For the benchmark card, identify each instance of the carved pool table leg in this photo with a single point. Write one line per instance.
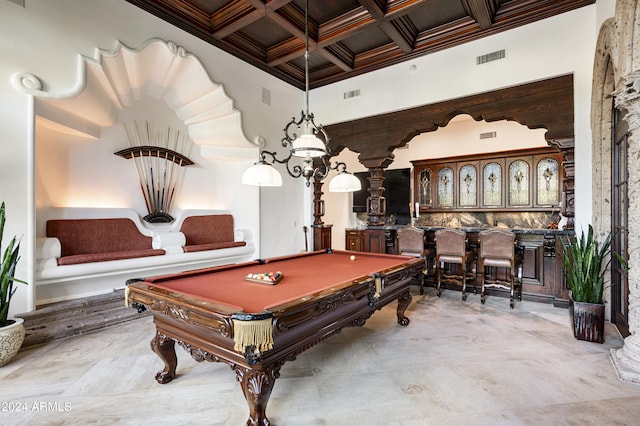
(164, 347)
(257, 385)
(403, 303)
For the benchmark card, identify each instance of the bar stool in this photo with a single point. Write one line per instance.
(498, 250)
(411, 243)
(451, 248)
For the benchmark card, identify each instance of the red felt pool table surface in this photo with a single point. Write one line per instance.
(304, 275)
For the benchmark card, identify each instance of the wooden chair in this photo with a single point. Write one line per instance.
(411, 243)
(451, 248)
(498, 250)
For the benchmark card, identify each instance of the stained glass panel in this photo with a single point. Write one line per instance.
(492, 184)
(468, 186)
(445, 187)
(519, 183)
(548, 187)
(424, 196)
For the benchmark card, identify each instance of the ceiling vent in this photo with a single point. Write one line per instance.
(489, 57)
(351, 94)
(488, 135)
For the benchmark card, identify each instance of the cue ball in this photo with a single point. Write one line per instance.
(352, 257)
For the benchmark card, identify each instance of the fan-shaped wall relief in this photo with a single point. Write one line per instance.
(116, 79)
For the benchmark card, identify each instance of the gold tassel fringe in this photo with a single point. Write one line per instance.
(257, 333)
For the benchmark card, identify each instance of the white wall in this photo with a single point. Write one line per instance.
(552, 47)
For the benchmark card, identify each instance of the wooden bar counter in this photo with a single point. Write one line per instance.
(543, 279)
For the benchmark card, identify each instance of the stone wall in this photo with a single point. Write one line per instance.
(617, 73)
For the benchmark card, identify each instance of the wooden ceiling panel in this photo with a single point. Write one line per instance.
(366, 40)
(346, 37)
(434, 14)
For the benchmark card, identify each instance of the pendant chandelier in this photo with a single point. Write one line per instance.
(312, 145)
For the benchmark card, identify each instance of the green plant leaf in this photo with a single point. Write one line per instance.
(585, 262)
(10, 258)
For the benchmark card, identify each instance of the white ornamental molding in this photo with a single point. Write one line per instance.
(115, 79)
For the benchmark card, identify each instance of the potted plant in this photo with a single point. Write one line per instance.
(585, 262)
(11, 330)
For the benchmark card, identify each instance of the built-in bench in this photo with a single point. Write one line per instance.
(85, 252)
(99, 240)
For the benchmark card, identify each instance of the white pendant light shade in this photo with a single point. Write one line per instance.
(344, 182)
(262, 174)
(308, 145)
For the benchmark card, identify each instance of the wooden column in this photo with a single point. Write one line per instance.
(566, 147)
(376, 202)
(318, 202)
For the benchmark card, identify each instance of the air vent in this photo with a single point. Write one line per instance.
(266, 96)
(488, 135)
(489, 57)
(351, 94)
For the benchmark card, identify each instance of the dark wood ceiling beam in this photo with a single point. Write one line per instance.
(402, 32)
(285, 51)
(344, 26)
(450, 34)
(248, 47)
(387, 52)
(339, 55)
(527, 11)
(233, 17)
(398, 8)
(483, 11)
(288, 68)
(374, 8)
(291, 19)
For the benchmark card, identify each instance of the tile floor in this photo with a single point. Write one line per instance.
(457, 363)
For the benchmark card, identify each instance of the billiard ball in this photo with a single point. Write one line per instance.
(352, 257)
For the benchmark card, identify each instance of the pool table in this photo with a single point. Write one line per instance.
(217, 315)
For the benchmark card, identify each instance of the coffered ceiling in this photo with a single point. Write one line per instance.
(346, 37)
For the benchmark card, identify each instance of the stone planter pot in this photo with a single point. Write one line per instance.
(587, 320)
(11, 338)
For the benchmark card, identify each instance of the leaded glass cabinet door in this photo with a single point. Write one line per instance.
(446, 185)
(519, 183)
(548, 181)
(425, 187)
(468, 185)
(492, 183)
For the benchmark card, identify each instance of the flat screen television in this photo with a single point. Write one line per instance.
(397, 184)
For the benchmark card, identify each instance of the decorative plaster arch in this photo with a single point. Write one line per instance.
(115, 79)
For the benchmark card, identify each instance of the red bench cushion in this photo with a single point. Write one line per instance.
(208, 229)
(88, 236)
